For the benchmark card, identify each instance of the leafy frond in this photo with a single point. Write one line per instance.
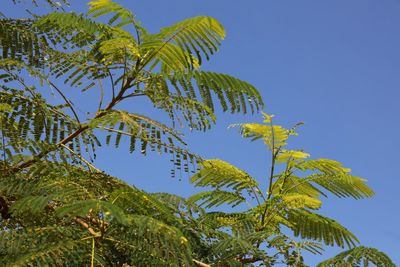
(359, 256)
(232, 246)
(178, 203)
(343, 185)
(99, 8)
(299, 201)
(118, 50)
(286, 156)
(312, 247)
(236, 220)
(84, 207)
(336, 179)
(148, 240)
(327, 166)
(310, 225)
(47, 255)
(68, 28)
(146, 132)
(136, 126)
(272, 135)
(33, 120)
(185, 42)
(19, 41)
(53, 3)
(218, 174)
(135, 201)
(172, 57)
(232, 93)
(41, 246)
(208, 199)
(191, 94)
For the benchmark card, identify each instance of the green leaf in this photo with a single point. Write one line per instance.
(359, 256)
(84, 207)
(209, 199)
(218, 174)
(306, 224)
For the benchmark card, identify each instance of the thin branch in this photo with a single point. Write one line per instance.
(87, 226)
(101, 95)
(272, 170)
(200, 264)
(67, 101)
(93, 250)
(133, 95)
(255, 194)
(91, 166)
(261, 193)
(112, 82)
(3, 140)
(137, 33)
(125, 68)
(271, 176)
(22, 83)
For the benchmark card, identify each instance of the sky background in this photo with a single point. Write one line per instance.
(332, 64)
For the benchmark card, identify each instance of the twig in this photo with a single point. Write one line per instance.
(67, 101)
(112, 82)
(87, 226)
(200, 264)
(101, 95)
(133, 95)
(93, 250)
(90, 165)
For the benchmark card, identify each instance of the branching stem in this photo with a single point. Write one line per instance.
(80, 130)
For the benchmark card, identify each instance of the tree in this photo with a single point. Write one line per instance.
(51, 194)
(292, 195)
(58, 209)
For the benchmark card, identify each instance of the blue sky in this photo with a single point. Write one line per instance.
(331, 64)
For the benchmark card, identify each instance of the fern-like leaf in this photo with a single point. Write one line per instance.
(218, 174)
(359, 256)
(208, 199)
(313, 226)
(178, 43)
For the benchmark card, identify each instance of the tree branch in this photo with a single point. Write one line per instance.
(113, 102)
(87, 226)
(200, 264)
(67, 101)
(112, 82)
(90, 165)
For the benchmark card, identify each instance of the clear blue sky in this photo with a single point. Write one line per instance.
(333, 64)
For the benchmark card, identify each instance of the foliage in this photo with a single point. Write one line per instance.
(359, 256)
(293, 191)
(58, 209)
(51, 194)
